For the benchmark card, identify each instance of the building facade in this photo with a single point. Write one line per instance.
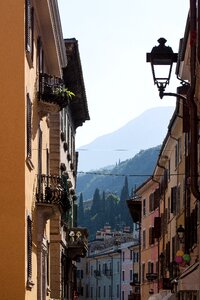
(32, 101)
(176, 227)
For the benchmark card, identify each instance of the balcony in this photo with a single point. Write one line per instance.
(51, 192)
(52, 93)
(77, 242)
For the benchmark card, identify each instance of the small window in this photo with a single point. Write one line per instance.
(29, 126)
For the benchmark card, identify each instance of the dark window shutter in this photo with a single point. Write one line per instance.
(28, 24)
(156, 198)
(151, 236)
(173, 199)
(151, 202)
(32, 32)
(157, 227)
(29, 126)
(29, 248)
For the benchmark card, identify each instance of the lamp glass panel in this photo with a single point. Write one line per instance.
(162, 72)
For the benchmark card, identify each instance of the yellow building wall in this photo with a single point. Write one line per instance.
(12, 132)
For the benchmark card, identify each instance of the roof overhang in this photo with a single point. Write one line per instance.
(73, 78)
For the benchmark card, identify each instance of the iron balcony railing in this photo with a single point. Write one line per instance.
(51, 90)
(51, 190)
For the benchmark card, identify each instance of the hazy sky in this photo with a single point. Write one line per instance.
(114, 36)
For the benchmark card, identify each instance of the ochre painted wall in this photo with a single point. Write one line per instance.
(12, 147)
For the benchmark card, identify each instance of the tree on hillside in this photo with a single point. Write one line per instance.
(111, 210)
(81, 215)
(123, 209)
(96, 203)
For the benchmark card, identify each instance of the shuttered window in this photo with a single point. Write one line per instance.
(29, 126)
(151, 202)
(173, 199)
(156, 198)
(157, 227)
(151, 236)
(29, 250)
(29, 23)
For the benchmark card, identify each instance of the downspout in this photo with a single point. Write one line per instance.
(192, 105)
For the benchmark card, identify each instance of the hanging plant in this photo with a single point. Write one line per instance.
(64, 92)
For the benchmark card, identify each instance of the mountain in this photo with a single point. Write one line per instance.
(143, 132)
(111, 180)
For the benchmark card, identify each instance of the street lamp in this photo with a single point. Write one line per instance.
(162, 58)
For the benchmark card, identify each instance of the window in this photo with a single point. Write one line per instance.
(144, 239)
(135, 277)
(123, 275)
(135, 257)
(87, 291)
(168, 209)
(169, 169)
(131, 275)
(173, 199)
(178, 152)
(143, 272)
(149, 267)
(144, 207)
(176, 155)
(104, 291)
(118, 267)
(178, 200)
(91, 270)
(99, 292)
(123, 255)
(40, 56)
(87, 268)
(29, 251)
(151, 202)
(91, 292)
(131, 254)
(29, 11)
(29, 126)
(151, 236)
(122, 295)
(110, 291)
(117, 290)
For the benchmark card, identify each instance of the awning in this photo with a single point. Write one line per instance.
(189, 279)
(155, 297)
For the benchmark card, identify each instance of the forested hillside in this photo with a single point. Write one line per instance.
(110, 188)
